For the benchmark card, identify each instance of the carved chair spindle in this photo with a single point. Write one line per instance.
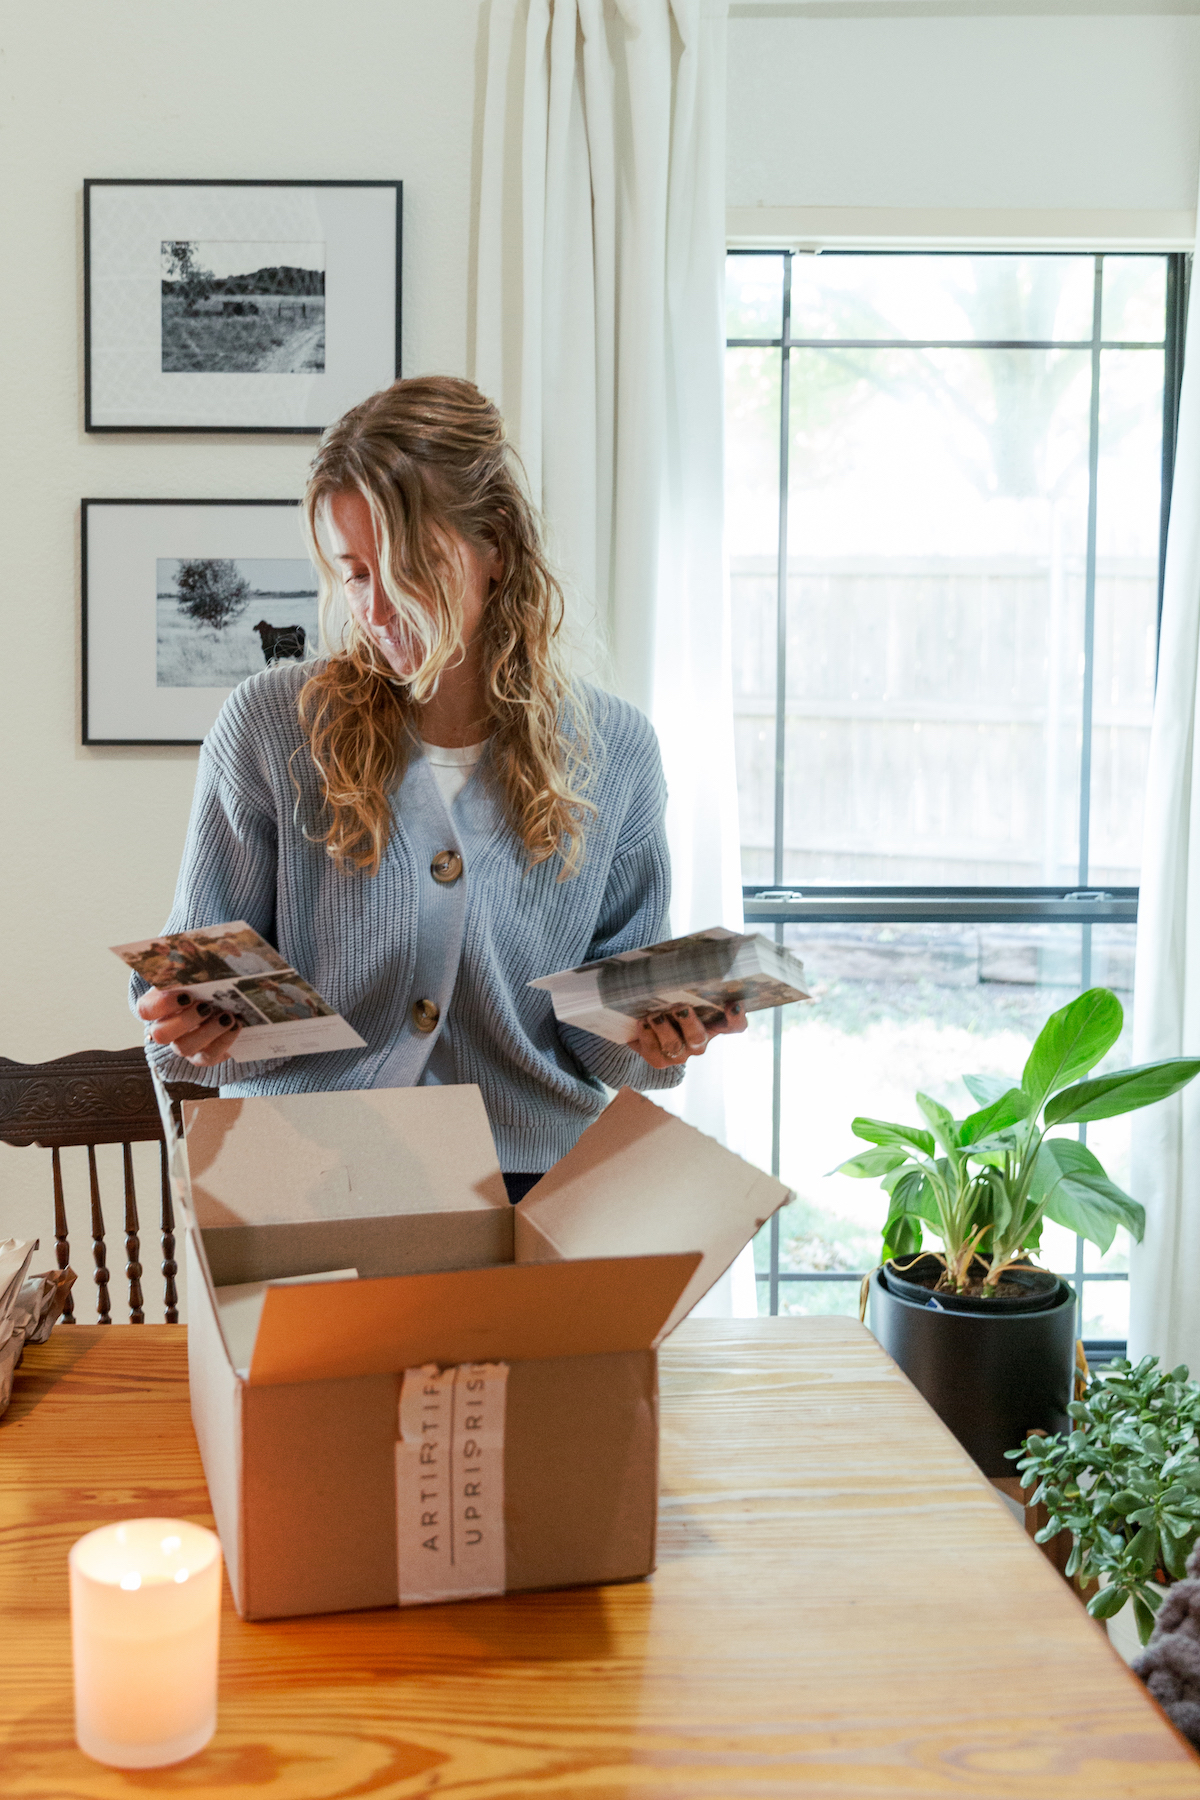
(96, 1097)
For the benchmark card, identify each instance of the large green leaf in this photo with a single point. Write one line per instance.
(988, 1088)
(872, 1163)
(894, 1137)
(1071, 1184)
(945, 1130)
(1121, 1092)
(995, 1148)
(1008, 1109)
(914, 1193)
(1071, 1042)
(901, 1237)
(1093, 1213)
(994, 1203)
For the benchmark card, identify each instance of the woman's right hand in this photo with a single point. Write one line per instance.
(193, 1029)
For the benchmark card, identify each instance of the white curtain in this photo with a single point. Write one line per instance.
(1165, 1177)
(600, 334)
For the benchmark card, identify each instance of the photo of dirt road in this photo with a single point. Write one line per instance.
(243, 308)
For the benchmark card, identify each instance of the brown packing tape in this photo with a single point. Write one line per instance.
(639, 1178)
(512, 1313)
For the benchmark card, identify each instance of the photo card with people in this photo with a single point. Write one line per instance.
(236, 971)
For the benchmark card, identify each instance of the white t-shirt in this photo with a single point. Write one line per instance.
(451, 769)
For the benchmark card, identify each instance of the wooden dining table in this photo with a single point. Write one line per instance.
(842, 1607)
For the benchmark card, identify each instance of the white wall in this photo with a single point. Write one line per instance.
(1022, 112)
(254, 88)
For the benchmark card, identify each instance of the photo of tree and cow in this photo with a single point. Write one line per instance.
(242, 308)
(221, 619)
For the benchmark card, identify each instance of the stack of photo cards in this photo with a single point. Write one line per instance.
(238, 972)
(706, 971)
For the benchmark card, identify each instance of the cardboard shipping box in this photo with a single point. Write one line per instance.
(519, 1343)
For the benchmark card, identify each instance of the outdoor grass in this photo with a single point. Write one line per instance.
(287, 336)
(191, 655)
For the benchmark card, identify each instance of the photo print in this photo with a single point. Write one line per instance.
(242, 308)
(236, 971)
(285, 997)
(704, 971)
(220, 619)
(182, 601)
(213, 953)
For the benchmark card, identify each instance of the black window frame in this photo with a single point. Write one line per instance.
(777, 904)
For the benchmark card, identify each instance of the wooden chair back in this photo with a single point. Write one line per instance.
(96, 1097)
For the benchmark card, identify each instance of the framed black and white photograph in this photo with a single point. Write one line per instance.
(182, 600)
(238, 305)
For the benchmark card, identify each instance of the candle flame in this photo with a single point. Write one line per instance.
(181, 1574)
(131, 1582)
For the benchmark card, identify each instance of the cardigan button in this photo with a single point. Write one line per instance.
(425, 1014)
(446, 866)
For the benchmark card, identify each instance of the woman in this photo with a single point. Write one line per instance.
(434, 815)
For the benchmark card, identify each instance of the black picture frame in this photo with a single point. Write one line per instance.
(362, 365)
(119, 596)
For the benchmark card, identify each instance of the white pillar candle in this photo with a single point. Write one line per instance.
(145, 1617)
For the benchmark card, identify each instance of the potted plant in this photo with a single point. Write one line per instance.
(1125, 1483)
(986, 1335)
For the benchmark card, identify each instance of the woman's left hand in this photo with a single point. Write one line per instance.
(667, 1039)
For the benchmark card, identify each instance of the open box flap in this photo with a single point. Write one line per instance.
(639, 1179)
(326, 1330)
(281, 1159)
(174, 1148)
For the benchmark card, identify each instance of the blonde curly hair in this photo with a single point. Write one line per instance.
(431, 459)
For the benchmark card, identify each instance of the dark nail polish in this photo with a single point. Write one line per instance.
(736, 1011)
(183, 998)
(225, 1019)
(203, 1010)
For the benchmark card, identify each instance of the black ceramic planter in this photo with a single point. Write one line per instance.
(991, 1379)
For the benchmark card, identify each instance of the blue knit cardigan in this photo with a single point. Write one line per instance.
(373, 945)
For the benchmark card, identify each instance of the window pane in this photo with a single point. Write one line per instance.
(1135, 299)
(943, 297)
(1106, 1303)
(1126, 623)
(937, 540)
(900, 1008)
(752, 389)
(753, 296)
(935, 611)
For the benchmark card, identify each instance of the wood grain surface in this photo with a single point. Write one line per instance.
(842, 1608)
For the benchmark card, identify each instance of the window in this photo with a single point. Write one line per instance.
(948, 479)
